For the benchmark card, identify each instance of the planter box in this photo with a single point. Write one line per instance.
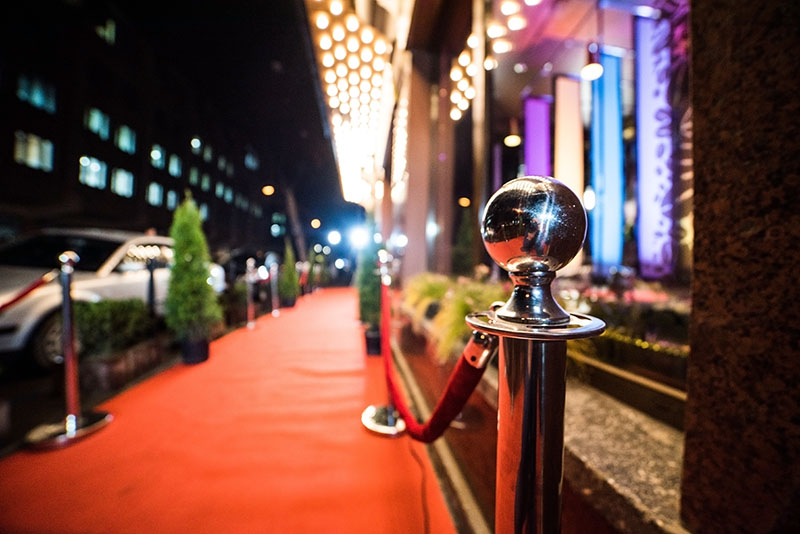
(112, 372)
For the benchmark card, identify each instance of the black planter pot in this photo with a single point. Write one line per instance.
(373, 338)
(288, 302)
(194, 351)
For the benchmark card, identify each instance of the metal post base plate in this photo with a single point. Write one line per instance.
(378, 419)
(68, 431)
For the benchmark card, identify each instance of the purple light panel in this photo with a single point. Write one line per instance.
(654, 149)
(537, 137)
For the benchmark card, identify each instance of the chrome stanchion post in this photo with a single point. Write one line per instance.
(384, 420)
(532, 227)
(76, 424)
(273, 286)
(250, 278)
(151, 287)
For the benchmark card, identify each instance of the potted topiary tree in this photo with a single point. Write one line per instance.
(368, 283)
(288, 280)
(192, 310)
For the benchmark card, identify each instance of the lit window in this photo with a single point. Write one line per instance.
(221, 162)
(92, 172)
(33, 151)
(228, 195)
(242, 202)
(251, 161)
(194, 176)
(155, 194)
(157, 157)
(172, 200)
(229, 169)
(98, 122)
(122, 183)
(37, 93)
(208, 153)
(107, 31)
(205, 184)
(175, 165)
(219, 191)
(125, 139)
(204, 212)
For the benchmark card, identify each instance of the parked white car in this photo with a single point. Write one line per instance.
(112, 265)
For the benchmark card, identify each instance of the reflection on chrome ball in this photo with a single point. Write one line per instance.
(534, 223)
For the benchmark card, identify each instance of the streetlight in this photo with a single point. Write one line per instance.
(334, 237)
(359, 237)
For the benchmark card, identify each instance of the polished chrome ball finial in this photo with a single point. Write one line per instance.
(533, 223)
(533, 226)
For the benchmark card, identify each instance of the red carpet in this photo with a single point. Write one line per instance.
(264, 437)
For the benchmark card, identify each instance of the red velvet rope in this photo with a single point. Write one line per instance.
(460, 386)
(44, 279)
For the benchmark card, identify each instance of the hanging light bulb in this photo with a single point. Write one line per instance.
(593, 69)
(351, 22)
(323, 20)
(516, 22)
(512, 140)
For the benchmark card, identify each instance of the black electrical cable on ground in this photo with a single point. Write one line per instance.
(423, 493)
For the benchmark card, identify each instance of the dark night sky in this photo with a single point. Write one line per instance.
(251, 58)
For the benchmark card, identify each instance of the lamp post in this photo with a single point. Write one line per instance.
(532, 227)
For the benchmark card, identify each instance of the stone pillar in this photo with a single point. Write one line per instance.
(742, 454)
(419, 179)
(443, 171)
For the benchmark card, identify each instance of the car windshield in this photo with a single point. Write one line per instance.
(43, 251)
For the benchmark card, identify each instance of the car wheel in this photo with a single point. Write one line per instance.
(46, 342)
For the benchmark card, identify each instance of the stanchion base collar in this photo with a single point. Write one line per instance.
(376, 419)
(68, 431)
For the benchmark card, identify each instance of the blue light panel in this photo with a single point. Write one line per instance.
(607, 175)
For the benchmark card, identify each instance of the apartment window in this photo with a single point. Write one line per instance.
(122, 183)
(98, 122)
(194, 176)
(125, 139)
(229, 169)
(219, 190)
(37, 93)
(221, 163)
(33, 151)
(155, 194)
(251, 161)
(157, 157)
(205, 183)
(172, 200)
(107, 31)
(228, 195)
(175, 165)
(204, 212)
(208, 153)
(92, 172)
